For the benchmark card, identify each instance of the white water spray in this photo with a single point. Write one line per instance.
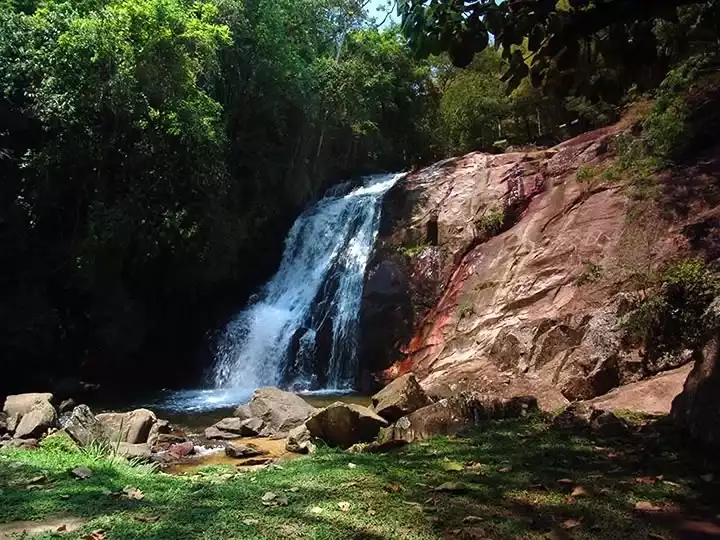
(302, 329)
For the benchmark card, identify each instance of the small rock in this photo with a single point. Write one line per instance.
(472, 519)
(709, 477)
(344, 506)
(253, 462)
(250, 522)
(81, 473)
(239, 451)
(274, 499)
(579, 491)
(399, 398)
(609, 425)
(300, 441)
(132, 494)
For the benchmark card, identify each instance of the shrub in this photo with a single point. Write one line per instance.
(492, 221)
(674, 316)
(413, 250)
(592, 273)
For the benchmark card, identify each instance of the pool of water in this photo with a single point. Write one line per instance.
(194, 410)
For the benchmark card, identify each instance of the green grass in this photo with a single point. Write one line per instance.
(507, 474)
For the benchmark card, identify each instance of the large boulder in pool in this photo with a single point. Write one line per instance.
(399, 398)
(132, 427)
(280, 411)
(344, 424)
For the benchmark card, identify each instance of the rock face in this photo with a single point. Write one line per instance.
(344, 424)
(401, 397)
(697, 408)
(513, 267)
(250, 427)
(83, 427)
(21, 404)
(453, 415)
(35, 422)
(278, 410)
(131, 427)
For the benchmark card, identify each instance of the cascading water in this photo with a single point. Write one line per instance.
(301, 330)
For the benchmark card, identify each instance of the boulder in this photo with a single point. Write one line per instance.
(344, 424)
(83, 427)
(12, 422)
(21, 404)
(131, 427)
(35, 423)
(241, 451)
(250, 427)
(128, 450)
(279, 411)
(400, 398)
(455, 414)
(300, 441)
(67, 405)
(651, 396)
(607, 424)
(697, 409)
(182, 449)
(574, 416)
(213, 433)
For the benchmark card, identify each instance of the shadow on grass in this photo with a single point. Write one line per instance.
(511, 480)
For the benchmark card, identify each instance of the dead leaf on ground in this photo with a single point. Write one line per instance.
(352, 466)
(394, 488)
(451, 466)
(99, 534)
(371, 512)
(61, 528)
(570, 524)
(451, 487)
(344, 506)
(505, 469)
(349, 484)
(250, 522)
(316, 510)
(579, 491)
(132, 494)
(294, 489)
(646, 506)
(472, 519)
(645, 480)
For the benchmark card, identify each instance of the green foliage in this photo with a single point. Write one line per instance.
(594, 48)
(492, 221)
(675, 315)
(412, 251)
(592, 274)
(587, 174)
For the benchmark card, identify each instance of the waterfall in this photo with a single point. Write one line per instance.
(301, 330)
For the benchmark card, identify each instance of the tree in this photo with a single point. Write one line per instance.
(567, 40)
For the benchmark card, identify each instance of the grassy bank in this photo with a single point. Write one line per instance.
(513, 479)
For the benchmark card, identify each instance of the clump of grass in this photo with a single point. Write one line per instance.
(412, 251)
(592, 274)
(492, 221)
